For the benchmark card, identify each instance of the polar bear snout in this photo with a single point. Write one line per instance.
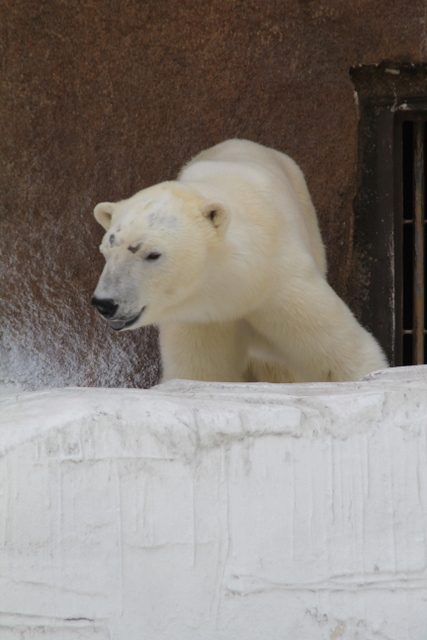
(106, 307)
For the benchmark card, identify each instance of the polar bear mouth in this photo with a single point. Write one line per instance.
(118, 325)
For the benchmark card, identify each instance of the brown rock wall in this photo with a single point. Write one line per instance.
(100, 99)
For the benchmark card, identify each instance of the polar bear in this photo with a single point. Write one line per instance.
(229, 262)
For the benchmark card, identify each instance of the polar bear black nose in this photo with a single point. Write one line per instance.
(106, 307)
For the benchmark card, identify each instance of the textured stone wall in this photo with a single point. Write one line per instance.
(100, 99)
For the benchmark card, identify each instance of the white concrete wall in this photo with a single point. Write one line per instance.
(216, 512)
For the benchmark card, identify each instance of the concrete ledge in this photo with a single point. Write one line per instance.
(216, 511)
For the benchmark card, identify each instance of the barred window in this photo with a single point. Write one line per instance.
(390, 207)
(410, 226)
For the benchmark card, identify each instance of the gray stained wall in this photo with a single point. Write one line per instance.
(100, 99)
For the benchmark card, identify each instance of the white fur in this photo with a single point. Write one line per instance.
(239, 291)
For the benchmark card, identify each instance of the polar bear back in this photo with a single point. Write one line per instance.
(244, 153)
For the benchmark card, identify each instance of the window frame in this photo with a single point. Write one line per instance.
(387, 95)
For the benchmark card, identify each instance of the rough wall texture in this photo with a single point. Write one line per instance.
(100, 99)
(216, 511)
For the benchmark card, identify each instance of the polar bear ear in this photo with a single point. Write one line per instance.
(217, 214)
(103, 213)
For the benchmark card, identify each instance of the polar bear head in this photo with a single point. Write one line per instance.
(157, 247)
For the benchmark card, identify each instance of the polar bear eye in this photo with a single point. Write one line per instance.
(154, 255)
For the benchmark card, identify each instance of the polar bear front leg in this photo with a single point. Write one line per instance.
(210, 352)
(316, 335)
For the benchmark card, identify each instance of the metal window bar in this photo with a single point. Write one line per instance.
(413, 233)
